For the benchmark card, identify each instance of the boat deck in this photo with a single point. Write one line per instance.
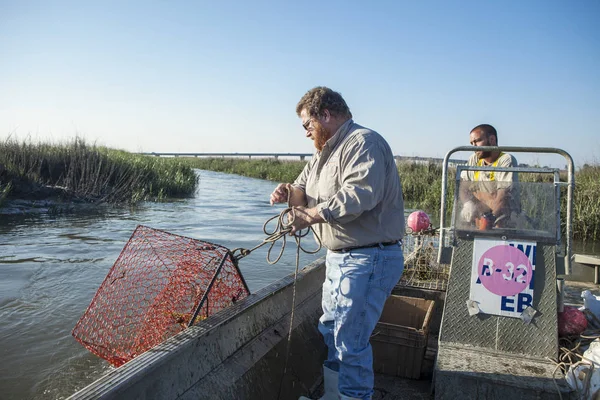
(238, 353)
(394, 388)
(573, 289)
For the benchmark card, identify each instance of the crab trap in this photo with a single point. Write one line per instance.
(160, 284)
(421, 268)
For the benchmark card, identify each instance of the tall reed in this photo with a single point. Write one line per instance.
(269, 169)
(94, 173)
(586, 205)
(422, 185)
(91, 173)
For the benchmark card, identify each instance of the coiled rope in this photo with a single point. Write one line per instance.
(282, 230)
(571, 356)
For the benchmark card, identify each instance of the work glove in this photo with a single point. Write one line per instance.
(468, 211)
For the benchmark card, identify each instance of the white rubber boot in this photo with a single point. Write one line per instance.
(342, 397)
(330, 384)
(330, 378)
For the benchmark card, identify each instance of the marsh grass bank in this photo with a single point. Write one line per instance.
(93, 174)
(266, 168)
(77, 171)
(422, 186)
(586, 204)
(421, 183)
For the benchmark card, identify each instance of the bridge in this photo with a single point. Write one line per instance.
(428, 160)
(302, 156)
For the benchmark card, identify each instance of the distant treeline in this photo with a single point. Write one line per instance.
(77, 171)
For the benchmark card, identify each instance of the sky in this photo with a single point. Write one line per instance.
(225, 76)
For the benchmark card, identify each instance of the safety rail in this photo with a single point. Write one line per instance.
(512, 149)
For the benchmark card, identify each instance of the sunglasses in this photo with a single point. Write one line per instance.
(306, 124)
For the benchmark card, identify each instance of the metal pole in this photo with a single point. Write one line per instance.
(205, 295)
(513, 149)
(560, 286)
(443, 205)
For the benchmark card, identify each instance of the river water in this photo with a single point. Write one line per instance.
(51, 266)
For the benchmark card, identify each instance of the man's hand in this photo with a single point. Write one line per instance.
(280, 194)
(468, 211)
(304, 217)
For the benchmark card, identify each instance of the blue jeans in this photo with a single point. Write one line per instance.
(357, 284)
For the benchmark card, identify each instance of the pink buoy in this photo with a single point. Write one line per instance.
(418, 221)
(571, 322)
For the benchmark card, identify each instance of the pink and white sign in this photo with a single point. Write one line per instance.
(502, 276)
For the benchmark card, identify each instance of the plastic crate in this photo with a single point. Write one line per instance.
(399, 339)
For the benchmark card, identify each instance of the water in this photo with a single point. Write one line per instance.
(51, 266)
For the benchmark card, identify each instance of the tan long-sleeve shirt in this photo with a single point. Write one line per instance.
(355, 186)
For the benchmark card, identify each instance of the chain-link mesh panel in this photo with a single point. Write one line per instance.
(154, 289)
(421, 268)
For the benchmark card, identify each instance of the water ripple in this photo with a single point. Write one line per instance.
(52, 265)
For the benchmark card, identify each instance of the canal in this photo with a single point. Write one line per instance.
(51, 266)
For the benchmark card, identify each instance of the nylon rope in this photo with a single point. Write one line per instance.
(571, 356)
(283, 228)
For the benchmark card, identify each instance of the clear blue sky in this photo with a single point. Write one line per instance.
(210, 76)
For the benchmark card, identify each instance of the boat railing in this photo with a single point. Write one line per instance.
(570, 184)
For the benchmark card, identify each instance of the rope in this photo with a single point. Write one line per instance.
(570, 356)
(282, 230)
(430, 231)
(289, 337)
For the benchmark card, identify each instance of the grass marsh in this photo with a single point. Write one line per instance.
(80, 171)
(76, 170)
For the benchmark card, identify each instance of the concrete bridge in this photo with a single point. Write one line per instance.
(302, 156)
(428, 160)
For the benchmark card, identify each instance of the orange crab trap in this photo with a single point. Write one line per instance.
(160, 284)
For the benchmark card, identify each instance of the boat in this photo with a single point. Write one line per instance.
(243, 351)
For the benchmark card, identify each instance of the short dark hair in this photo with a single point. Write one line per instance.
(488, 130)
(321, 98)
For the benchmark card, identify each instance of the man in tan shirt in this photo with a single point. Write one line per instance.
(351, 194)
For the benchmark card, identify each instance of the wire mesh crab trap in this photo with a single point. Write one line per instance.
(160, 284)
(421, 268)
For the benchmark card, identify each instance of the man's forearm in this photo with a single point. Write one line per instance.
(311, 215)
(297, 197)
(501, 202)
(496, 202)
(304, 217)
(464, 192)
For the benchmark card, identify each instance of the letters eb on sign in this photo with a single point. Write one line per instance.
(502, 276)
